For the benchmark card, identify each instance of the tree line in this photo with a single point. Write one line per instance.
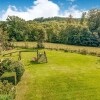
(84, 31)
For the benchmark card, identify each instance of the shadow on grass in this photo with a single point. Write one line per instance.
(35, 62)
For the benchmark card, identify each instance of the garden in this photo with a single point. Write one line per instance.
(66, 75)
(50, 58)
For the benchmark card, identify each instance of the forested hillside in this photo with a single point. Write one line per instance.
(84, 31)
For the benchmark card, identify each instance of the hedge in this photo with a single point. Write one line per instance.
(10, 76)
(5, 97)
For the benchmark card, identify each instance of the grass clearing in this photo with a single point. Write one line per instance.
(59, 46)
(66, 76)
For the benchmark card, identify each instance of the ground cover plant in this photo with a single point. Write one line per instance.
(7, 91)
(10, 74)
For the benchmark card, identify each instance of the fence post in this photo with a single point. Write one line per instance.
(19, 58)
(37, 56)
(45, 56)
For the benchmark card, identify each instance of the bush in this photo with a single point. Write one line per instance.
(18, 68)
(5, 97)
(66, 50)
(40, 46)
(9, 65)
(5, 64)
(93, 53)
(7, 91)
(83, 52)
(10, 76)
(98, 55)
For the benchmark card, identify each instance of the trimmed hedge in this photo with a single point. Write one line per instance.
(10, 76)
(9, 65)
(10, 73)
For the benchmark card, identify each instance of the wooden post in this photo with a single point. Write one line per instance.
(10, 54)
(37, 56)
(19, 58)
(45, 56)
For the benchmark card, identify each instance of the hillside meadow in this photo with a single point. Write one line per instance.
(58, 47)
(66, 76)
(72, 45)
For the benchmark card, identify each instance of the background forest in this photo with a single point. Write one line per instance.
(84, 31)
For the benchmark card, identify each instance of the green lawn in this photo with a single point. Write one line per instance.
(66, 76)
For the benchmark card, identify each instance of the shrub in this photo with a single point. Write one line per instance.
(40, 46)
(18, 68)
(5, 64)
(66, 50)
(61, 49)
(10, 76)
(7, 91)
(26, 45)
(9, 65)
(5, 97)
(84, 52)
(98, 55)
(93, 53)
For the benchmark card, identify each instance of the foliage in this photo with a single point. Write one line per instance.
(9, 76)
(84, 31)
(8, 65)
(94, 19)
(7, 91)
(18, 68)
(4, 39)
(16, 28)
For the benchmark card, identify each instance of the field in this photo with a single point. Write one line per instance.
(66, 76)
(59, 47)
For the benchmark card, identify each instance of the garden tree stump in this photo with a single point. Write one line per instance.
(40, 38)
(45, 56)
(41, 57)
(40, 44)
(37, 56)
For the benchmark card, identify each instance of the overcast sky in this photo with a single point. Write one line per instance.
(30, 9)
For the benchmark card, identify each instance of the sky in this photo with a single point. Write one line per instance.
(31, 9)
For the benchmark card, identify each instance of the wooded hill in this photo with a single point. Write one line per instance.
(84, 31)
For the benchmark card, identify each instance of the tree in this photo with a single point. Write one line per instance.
(39, 35)
(16, 28)
(70, 19)
(4, 39)
(83, 18)
(94, 19)
(52, 30)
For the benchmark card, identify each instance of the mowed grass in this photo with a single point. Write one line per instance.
(66, 76)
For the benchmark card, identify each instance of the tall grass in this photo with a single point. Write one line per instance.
(95, 51)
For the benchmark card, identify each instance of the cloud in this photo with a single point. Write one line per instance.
(72, 10)
(41, 8)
